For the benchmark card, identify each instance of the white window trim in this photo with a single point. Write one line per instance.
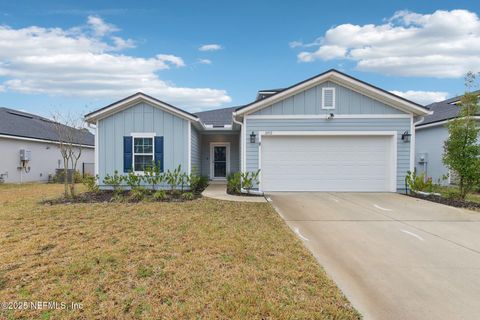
(219, 144)
(142, 135)
(323, 98)
(392, 134)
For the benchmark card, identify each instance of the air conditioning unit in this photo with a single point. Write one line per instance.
(25, 155)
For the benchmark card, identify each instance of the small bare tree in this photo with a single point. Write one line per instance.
(71, 135)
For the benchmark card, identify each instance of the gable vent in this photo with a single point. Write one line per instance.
(328, 98)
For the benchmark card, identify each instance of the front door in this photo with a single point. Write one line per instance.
(219, 158)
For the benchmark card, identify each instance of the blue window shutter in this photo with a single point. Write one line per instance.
(127, 153)
(159, 152)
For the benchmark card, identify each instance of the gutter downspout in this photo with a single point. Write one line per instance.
(241, 139)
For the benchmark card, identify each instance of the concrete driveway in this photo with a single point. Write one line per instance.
(393, 256)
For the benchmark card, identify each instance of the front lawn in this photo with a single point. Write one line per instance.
(196, 259)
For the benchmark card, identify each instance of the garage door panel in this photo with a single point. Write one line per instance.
(326, 163)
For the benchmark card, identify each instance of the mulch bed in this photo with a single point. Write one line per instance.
(458, 203)
(244, 194)
(109, 196)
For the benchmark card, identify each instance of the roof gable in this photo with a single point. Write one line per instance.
(309, 102)
(343, 80)
(132, 100)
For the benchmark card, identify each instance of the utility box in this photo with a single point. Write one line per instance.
(25, 155)
(422, 158)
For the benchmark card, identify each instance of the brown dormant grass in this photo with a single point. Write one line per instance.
(199, 259)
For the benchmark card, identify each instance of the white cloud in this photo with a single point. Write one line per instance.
(100, 27)
(75, 62)
(177, 61)
(204, 61)
(210, 47)
(441, 44)
(301, 44)
(422, 97)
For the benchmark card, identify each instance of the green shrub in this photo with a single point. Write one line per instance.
(77, 177)
(173, 177)
(137, 194)
(117, 196)
(114, 181)
(133, 180)
(160, 195)
(418, 182)
(188, 196)
(452, 193)
(153, 176)
(249, 179)
(91, 183)
(234, 182)
(198, 183)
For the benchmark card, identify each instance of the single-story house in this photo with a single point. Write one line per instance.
(431, 133)
(29, 146)
(331, 132)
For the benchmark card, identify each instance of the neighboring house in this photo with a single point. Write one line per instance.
(331, 132)
(431, 133)
(33, 139)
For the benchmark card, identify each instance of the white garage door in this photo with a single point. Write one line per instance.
(327, 163)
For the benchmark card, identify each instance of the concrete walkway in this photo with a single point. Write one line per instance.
(216, 190)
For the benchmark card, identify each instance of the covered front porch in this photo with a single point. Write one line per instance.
(219, 154)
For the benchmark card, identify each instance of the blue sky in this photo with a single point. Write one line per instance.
(61, 56)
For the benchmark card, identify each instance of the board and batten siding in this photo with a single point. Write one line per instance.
(196, 157)
(399, 125)
(310, 102)
(141, 117)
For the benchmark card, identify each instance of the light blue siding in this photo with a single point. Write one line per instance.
(196, 156)
(141, 118)
(398, 124)
(232, 138)
(310, 102)
(430, 141)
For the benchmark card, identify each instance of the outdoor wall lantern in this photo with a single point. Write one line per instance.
(406, 136)
(252, 137)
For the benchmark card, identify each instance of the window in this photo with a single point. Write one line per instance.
(142, 153)
(328, 98)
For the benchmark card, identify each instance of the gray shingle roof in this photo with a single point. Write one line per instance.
(217, 117)
(441, 111)
(27, 125)
(457, 98)
(444, 110)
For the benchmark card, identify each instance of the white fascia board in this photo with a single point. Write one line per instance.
(439, 123)
(6, 136)
(122, 105)
(380, 95)
(340, 79)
